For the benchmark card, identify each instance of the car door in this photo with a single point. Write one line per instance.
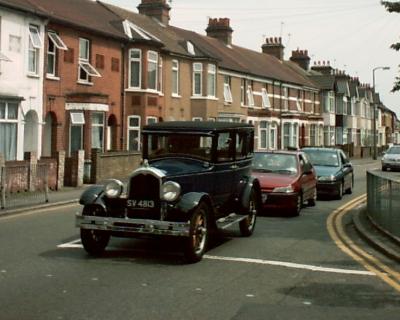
(307, 179)
(347, 170)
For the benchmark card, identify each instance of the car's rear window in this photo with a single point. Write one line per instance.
(275, 163)
(323, 157)
(169, 145)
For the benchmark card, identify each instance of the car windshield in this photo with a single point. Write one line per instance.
(169, 145)
(327, 158)
(394, 150)
(275, 162)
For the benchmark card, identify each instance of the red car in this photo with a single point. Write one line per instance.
(287, 180)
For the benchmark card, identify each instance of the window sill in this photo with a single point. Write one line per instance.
(32, 75)
(138, 90)
(53, 78)
(84, 83)
(176, 96)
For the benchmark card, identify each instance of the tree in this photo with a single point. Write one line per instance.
(394, 7)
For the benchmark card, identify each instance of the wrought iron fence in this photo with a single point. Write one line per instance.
(383, 204)
(22, 184)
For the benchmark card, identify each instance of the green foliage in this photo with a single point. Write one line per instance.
(394, 6)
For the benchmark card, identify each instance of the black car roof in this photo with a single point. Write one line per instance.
(321, 149)
(196, 126)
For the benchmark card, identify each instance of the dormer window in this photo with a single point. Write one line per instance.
(129, 27)
(190, 48)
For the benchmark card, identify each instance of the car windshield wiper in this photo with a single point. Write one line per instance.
(262, 170)
(284, 171)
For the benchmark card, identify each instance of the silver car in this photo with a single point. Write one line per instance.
(391, 159)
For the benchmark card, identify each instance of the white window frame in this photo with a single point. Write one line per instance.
(175, 77)
(263, 130)
(197, 70)
(96, 125)
(77, 119)
(273, 138)
(134, 128)
(243, 95)
(197, 119)
(227, 90)
(152, 61)
(285, 98)
(135, 60)
(266, 103)
(151, 119)
(34, 46)
(286, 136)
(160, 74)
(57, 41)
(250, 96)
(211, 79)
(52, 53)
(7, 120)
(84, 63)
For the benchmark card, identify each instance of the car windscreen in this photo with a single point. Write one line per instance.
(179, 144)
(275, 163)
(394, 150)
(323, 157)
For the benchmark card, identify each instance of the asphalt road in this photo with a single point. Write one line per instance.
(289, 269)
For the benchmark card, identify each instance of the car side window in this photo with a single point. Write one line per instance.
(225, 147)
(242, 145)
(343, 158)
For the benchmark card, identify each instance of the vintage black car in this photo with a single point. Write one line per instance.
(195, 178)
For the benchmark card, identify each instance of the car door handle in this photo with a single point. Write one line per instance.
(233, 166)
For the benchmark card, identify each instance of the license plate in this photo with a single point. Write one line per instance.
(141, 204)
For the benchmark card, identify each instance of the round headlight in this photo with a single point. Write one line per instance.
(170, 191)
(113, 188)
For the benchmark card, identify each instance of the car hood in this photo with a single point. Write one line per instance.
(272, 180)
(323, 171)
(393, 156)
(179, 166)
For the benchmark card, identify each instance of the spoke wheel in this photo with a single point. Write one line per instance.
(248, 224)
(299, 205)
(198, 235)
(94, 241)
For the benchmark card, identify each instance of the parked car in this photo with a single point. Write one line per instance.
(391, 158)
(287, 180)
(195, 177)
(335, 172)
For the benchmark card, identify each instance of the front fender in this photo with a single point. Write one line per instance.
(92, 195)
(252, 183)
(191, 200)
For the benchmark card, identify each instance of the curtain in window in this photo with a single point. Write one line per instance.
(8, 140)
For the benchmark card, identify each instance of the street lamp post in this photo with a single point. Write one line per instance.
(374, 108)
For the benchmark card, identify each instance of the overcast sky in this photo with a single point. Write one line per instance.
(354, 35)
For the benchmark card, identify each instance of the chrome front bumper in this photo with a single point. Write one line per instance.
(133, 226)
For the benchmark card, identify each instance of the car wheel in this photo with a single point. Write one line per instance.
(350, 189)
(384, 168)
(197, 242)
(94, 241)
(311, 202)
(340, 191)
(299, 205)
(248, 224)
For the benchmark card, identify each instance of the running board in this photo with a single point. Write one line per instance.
(230, 220)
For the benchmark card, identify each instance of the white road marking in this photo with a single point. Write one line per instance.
(77, 244)
(291, 265)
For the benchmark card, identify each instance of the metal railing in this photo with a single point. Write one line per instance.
(383, 200)
(23, 184)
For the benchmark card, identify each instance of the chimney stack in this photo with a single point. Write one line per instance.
(158, 9)
(274, 47)
(323, 67)
(301, 58)
(220, 29)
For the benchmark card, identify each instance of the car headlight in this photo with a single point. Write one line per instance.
(288, 189)
(113, 188)
(327, 178)
(170, 191)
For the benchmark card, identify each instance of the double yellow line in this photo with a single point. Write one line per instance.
(336, 231)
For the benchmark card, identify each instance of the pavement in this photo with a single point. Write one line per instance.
(367, 229)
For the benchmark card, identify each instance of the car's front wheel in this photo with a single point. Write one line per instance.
(340, 191)
(197, 242)
(248, 224)
(312, 201)
(94, 241)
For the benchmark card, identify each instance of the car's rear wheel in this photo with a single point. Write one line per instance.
(340, 191)
(197, 242)
(311, 202)
(350, 188)
(384, 168)
(94, 241)
(248, 224)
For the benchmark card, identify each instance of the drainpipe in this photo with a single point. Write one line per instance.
(123, 86)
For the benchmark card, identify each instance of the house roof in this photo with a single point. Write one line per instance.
(232, 58)
(342, 87)
(324, 81)
(22, 5)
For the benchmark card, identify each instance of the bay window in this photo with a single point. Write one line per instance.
(152, 70)
(8, 129)
(135, 68)
(197, 79)
(211, 80)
